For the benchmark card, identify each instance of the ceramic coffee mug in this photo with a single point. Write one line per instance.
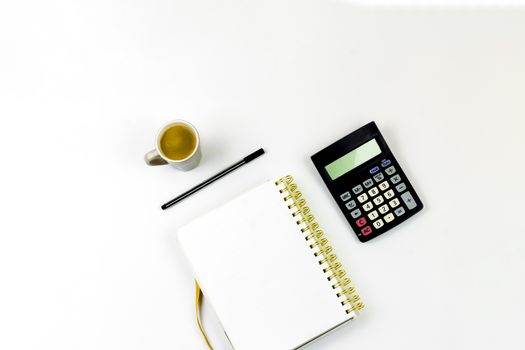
(177, 144)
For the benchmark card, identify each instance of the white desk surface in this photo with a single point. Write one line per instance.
(89, 261)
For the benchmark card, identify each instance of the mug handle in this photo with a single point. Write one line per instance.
(153, 158)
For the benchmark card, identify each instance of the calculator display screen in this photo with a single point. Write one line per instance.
(353, 159)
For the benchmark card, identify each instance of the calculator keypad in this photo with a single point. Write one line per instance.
(395, 179)
(368, 183)
(391, 170)
(345, 196)
(379, 177)
(368, 206)
(362, 197)
(409, 200)
(373, 215)
(357, 189)
(389, 194)
(378, 223)
(389, 217)
(351, 205)
(356, 213)
(374, 191)
(401, 187)
(361, 221)
(379, 200)
(384, 208)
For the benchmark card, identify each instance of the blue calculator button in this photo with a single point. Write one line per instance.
(386, 163)
(374, 170)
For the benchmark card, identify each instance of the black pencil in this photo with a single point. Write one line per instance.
(205, 183)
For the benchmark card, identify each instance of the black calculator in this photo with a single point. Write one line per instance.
(367, 182)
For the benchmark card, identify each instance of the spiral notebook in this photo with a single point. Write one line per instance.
(268, 271)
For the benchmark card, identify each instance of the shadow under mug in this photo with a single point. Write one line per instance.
(157, 157)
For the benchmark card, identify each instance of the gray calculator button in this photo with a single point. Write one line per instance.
(368, 183)
(356, 213)
(390, 170)
(409, 200)
(395, 179)
(358, 189)
(350, 205)
(346, 196)
(401, 187)
(379, 177)
(399, 211)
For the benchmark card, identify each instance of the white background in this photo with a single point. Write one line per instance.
(89, 261)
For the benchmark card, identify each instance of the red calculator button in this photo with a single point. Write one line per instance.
(366, 230)
(361, 222)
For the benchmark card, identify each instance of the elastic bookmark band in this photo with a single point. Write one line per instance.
(198, 298)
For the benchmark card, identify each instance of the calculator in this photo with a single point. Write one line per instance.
(367, 182)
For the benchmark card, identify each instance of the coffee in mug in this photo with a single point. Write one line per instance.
(177, 144)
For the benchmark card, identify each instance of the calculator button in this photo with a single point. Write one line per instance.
(361, 222)
(368, 183)
(356, 213)
(379, 177)
(378, 200)
(409, 200)
(395, 179)
(374, 191)
(379, 223)
(374, 170)
(366, 230)
(383, 209)
(389, 217)
(358, 189)
(401, 187)
(389, 194)
(362, 197)
(399, 211)
(345, 196)
(394, 202)
(368, 206)
(350, 205)
(384, 185)
(373, 215)
(391, 170)
(385, 163)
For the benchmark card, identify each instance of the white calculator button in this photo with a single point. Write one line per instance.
(373, 215)
(394, 202)
(373, 192)
(384, 185)
(389, 194)
(378, 224)
(389, 217)
(369, 206)
(362, 197)
(378, 200)
(384, 208)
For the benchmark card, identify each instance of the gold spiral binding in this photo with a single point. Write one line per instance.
(320, 245)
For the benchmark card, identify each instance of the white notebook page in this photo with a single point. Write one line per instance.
(259, 273)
